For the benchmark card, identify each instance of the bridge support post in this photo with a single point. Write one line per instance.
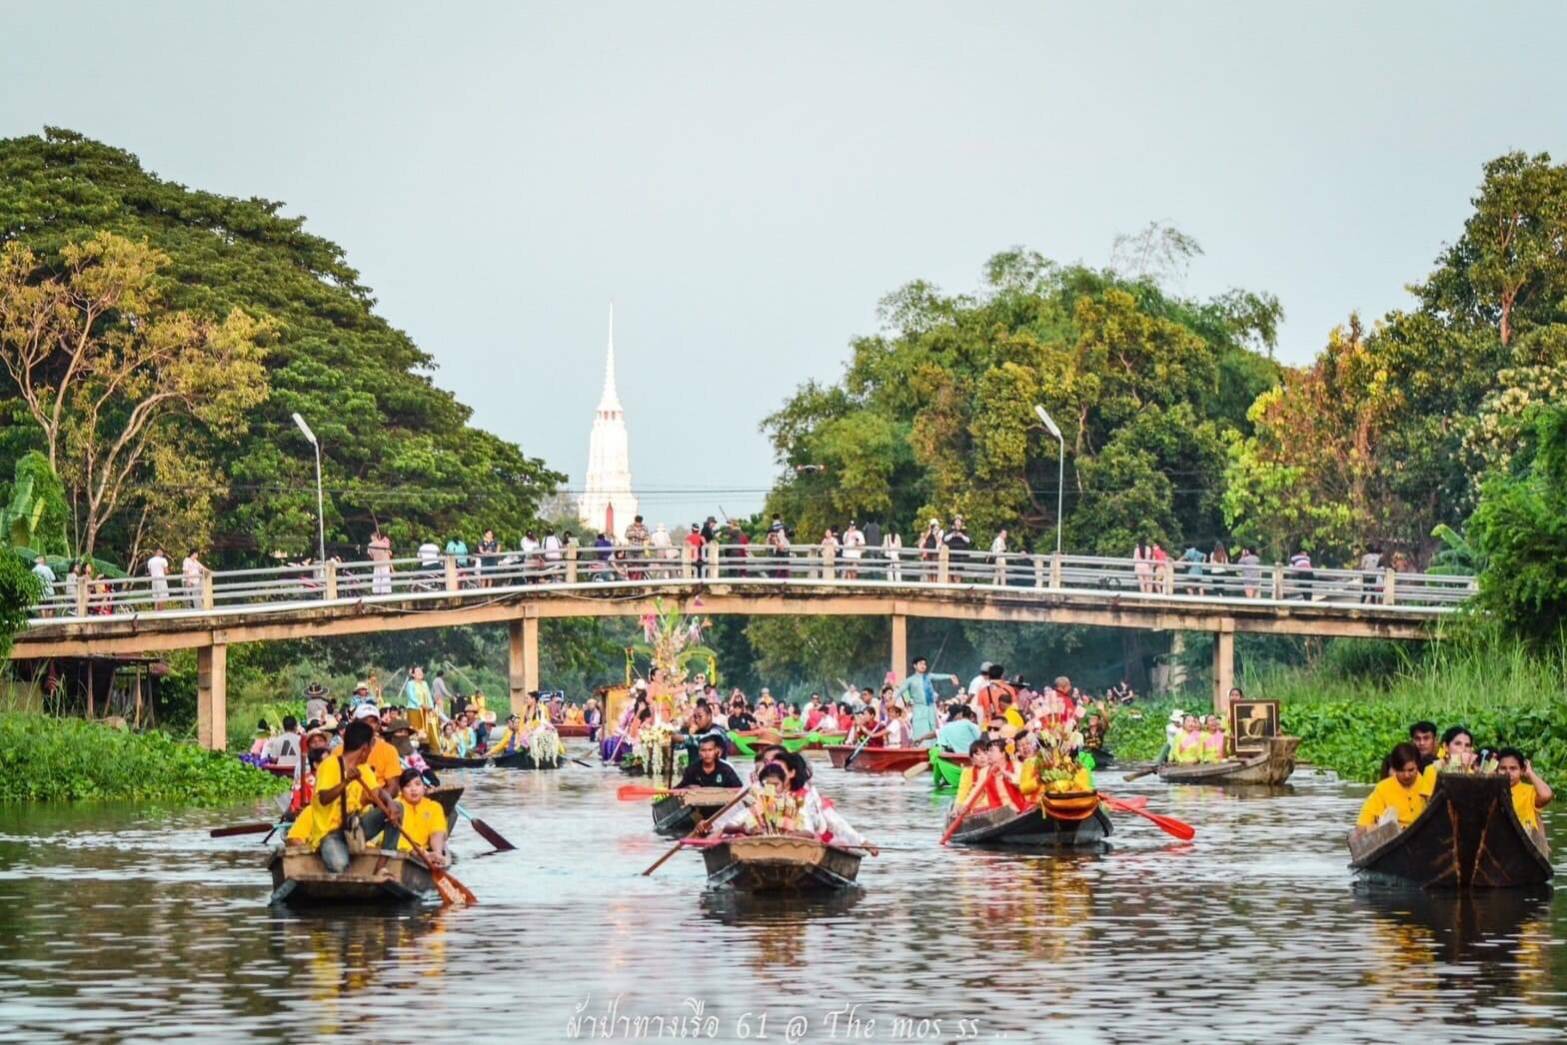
(212, 664)
(712, 561)
(900, 646)
(522, 660)
(1223, 668)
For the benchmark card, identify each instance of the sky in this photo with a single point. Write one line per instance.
(746, 181)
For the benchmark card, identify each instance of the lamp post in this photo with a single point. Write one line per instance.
(1061, 480)
(320, 501)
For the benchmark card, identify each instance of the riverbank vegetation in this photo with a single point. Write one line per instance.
(45, 759)
(1348, 717)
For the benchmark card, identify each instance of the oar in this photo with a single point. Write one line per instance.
(856, 752)
(243, 829)
(584, 765)
(915, 770)
(488, 833)
(452, 891)
(632, 792)
(957, 821)
(1168, 824)
(701, 825)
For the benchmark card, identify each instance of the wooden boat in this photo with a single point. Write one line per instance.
(779, 864)
(1468, 837)
(748, 744)
(946, 768)
(1063, 821)
(574, 731)
(300, 879)
(522, 759)
(678, 814)
(1272, 765)
(277, 770)
(877, 759)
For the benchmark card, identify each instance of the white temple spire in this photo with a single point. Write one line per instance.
(607, 503)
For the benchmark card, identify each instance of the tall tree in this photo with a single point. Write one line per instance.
(112, 375)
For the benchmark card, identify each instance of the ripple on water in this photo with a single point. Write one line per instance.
(125, 922)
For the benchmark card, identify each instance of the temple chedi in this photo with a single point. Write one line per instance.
(607, 503)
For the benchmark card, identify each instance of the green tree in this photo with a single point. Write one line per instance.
(19, 592)
(1520, 531)
(398, 451)
(35, 513)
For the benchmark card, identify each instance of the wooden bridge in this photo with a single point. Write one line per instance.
(210, 611)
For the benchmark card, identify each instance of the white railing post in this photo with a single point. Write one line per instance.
(1389, 586)
(206, 589)
(1167, 576)
(687, 566)
(451, 573)
(827, 561)
(571, 564)
(1039, 570)
(1278, 580)
(712, 561)
(943, 564)
(1055, 571)
(329, 579)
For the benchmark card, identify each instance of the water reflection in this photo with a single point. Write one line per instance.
(1149, 940)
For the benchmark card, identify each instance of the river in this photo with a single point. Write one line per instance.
(132, 924)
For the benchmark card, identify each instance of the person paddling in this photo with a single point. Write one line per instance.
(1397, 797)
(421, 822)
(709, 769)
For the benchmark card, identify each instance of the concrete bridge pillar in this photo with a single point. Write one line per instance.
(900, 646)
(522, 662)
(212, 663)
(1223, 668)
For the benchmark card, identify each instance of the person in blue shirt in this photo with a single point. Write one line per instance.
(919, 693)
(961, 730)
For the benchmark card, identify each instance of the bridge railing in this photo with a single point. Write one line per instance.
(756, 563)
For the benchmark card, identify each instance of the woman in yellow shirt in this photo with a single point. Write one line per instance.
(1399, 793)
(1187, 747)
(1530, 793)
(422, 824)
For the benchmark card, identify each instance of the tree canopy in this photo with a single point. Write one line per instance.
(398, 451)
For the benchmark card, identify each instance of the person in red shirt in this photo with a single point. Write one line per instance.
(694, 542)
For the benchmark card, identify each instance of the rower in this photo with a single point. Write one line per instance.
(1423, 736)
(345, 783)
(700, 727)
(382, 757)
(898, 734)
(421, 822)
(1530, 793)
(1398, 796)
(709, 769)
(505, 740)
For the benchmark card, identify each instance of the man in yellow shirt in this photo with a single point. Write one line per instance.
(1530, 793)
(345, 785)
(422, 823)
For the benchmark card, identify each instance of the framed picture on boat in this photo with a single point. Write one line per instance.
(1253, 722)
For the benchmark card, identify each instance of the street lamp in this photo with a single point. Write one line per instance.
(320, 502)
(1061, 481)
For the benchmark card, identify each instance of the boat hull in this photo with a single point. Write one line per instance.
(946, 769)
(1468, 837)
(300, 879)
(778, 864)
(1034, 829)
(877, 759)
(574, 731)
(516, 760)
(1271, 766)
(678, 814)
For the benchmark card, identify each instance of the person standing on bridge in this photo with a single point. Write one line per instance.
(919, 692)
(380, 551)
(158, 570)
(192, 570)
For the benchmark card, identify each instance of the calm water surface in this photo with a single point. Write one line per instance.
(131, 924)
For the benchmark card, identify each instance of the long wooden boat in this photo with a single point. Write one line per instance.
(779, 864)
(1064, 821)
(946, 769)
(300, 879)
(1269, 765)
(1468, 837)
(877, 759)
(574, 730)
(521, 759)
(748, 744)
(678, 814)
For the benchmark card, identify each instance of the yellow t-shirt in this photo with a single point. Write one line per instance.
(1406, 803)
(419, 823)
(328, 817)
(383, 761)
(1028, 779)
(1426, 785)
(1014, 718)
(499, 739)
(1523, 804)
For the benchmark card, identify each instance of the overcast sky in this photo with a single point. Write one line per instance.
(747, 180)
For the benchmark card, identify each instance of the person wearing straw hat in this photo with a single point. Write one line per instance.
(315, 702)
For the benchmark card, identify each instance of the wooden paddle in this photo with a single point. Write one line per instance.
(1168, 824)
(979, 788)
(696, 832)
(243, 829)
(633, 792)
(856, 752)
(914, 771)
(488, 833)
(1142, 772)
(452, 891)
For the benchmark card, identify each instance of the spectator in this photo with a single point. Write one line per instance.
(158, 570)
(1251, 572)
(1300, 567)
(192, 570)
(380, 552)
(853, 550)
(489, 554)
(46, 581)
